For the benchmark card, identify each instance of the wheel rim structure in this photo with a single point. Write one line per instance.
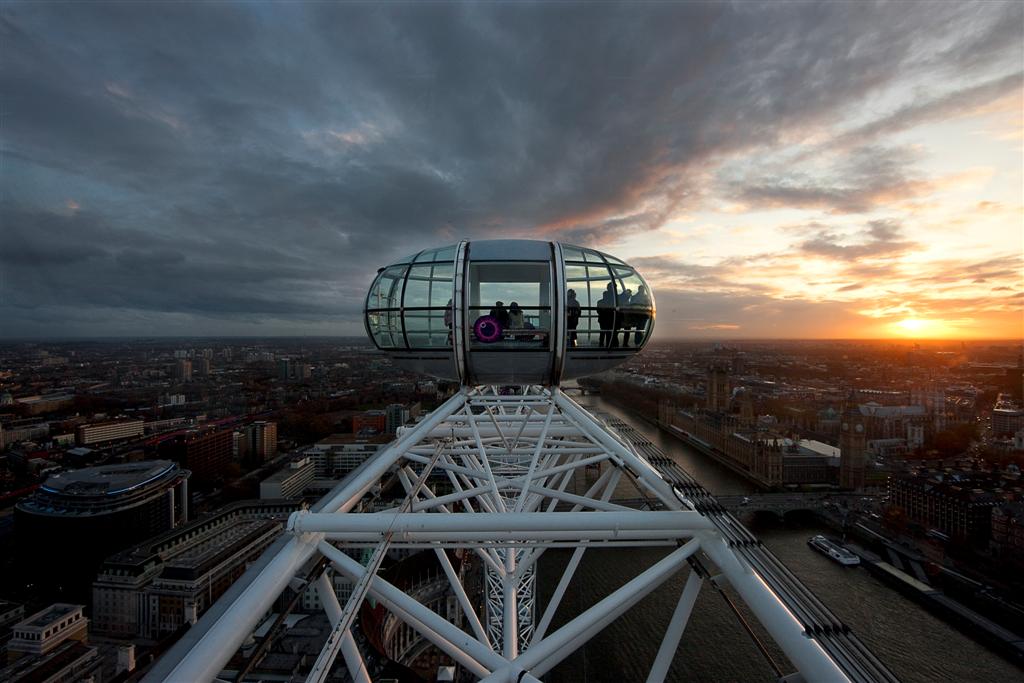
(509, 459)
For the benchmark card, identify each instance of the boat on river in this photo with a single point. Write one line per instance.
(833, 550)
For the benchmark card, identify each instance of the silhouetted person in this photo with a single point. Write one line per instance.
(449, 316)
(640, 305)
(572, 317)
(515, 316)
(517, 322)
(606, 315)
(623, 321)
(500, 313)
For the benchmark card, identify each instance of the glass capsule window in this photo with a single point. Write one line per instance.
(608, 304)
(410, 305)
(510, 305)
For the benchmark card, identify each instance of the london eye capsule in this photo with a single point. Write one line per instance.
(509, 312)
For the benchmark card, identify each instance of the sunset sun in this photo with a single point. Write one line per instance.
(921, 327)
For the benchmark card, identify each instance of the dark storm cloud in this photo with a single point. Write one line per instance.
(258, 161)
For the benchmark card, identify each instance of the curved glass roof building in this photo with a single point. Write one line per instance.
(90, 513)
(509, 312)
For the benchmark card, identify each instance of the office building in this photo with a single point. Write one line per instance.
(1007, 416)
(46, 629)
(87, 514)
(342, 587)
(240, 444)
(395, 415)
(370, 422)
(10, 614)
(262, 440)
(284, 369)
(27, 429)
(69, 662)
(206, 453)
(183, 370)
(339, 454)
(36, 405)
(290, 481)
(150, 590)
(107, 432)
(957, 503)
(171, 400)
(1007, 540)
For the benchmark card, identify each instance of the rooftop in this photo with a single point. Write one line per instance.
(47, 666)
(819, 448)
(875, 410)
(170, 544)
(354, 440)
(47, 616)
(108, 479)
(202, 552)
(289, 470)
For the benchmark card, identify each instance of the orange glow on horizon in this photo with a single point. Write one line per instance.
(923, 328)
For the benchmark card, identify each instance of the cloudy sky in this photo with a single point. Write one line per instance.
(778, 170)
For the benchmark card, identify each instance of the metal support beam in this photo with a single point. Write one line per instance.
(674, 632)
(509, 459)
(544, 655)
(808, 656)
(349, 649)
(512, 522)
(471, 653)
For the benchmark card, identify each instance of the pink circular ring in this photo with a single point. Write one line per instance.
(487, 329)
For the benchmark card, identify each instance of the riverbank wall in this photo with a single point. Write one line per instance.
(986, 631)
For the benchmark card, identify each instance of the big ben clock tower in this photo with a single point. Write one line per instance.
(852, 446)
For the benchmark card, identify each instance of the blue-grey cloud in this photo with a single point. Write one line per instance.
(244, 163)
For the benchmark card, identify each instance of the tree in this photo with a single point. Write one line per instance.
(955, 440)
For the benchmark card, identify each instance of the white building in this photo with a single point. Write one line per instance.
(311, 598)
(103, 432)
(46, 629)
(336, 456)
(290, 481)
(151, 589)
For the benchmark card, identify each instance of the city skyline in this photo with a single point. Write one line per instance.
(776, 171)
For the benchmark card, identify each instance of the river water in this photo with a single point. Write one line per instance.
(915, 645)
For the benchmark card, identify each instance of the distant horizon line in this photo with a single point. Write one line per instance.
(976, 340)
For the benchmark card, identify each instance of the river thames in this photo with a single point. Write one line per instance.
(915, 645)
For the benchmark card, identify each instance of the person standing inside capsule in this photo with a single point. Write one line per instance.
(640, 303)
(606, 315)
(449, 317)
(500, 313)
(572, 317)
(623, 319)
(515, 316)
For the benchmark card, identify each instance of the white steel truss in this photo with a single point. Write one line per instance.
(508, 461)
